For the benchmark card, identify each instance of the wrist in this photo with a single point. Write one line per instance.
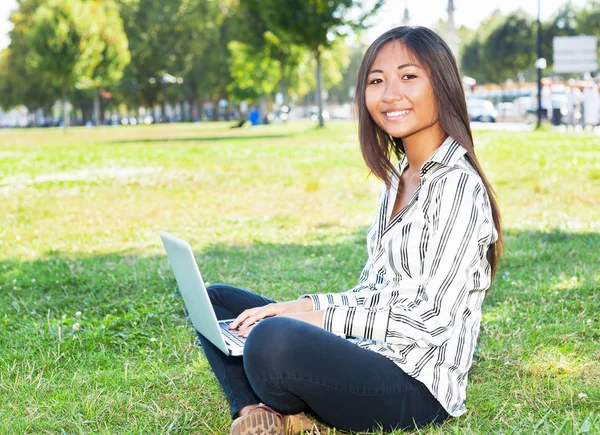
(307, 304)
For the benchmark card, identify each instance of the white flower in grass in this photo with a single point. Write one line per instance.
(153, 339)
(582, 396)
(78, 314)
(76, 326)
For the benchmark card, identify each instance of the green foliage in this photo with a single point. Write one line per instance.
(310, 23)
(498, 51)
(115, 54)
(471, 62)
(344, 90)
(19, 84)
(202, 57)
(261, 49)
(65, 42)
(314, 24)
(255, 73)
(510, 48)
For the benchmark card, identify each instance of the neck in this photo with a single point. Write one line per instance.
(422, 145)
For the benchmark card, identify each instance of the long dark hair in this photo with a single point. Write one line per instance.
(438, 61)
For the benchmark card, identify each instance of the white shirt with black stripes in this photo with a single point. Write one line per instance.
(418, 300)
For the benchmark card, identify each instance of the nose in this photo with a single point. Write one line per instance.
(393, 91)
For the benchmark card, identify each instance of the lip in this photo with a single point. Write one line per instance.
(396, 114)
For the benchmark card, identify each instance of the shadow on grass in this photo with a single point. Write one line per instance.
(547, 287)
(546, 262)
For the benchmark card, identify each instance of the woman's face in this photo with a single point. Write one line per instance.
(399, 95)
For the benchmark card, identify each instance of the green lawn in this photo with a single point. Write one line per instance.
(93, 335)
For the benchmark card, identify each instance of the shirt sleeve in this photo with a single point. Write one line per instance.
(462, 230)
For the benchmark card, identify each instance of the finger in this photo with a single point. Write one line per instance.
(263, 312)
(245, 332)
(239, 319)
(251, 321)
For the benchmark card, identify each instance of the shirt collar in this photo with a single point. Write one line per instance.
(448, 153)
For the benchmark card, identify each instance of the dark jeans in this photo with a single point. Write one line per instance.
(293, 366)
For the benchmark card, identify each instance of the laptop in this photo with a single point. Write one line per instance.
(196, 298)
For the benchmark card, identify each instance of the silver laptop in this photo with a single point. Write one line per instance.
(196, 297)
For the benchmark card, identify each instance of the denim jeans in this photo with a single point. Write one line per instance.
(293, 366)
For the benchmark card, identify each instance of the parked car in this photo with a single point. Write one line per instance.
(505, 110)
(481, 110)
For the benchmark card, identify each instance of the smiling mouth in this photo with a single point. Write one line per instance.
(397, 113)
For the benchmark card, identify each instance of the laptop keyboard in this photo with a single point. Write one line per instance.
(231, 335)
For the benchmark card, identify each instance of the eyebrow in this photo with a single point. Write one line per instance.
(400, 67)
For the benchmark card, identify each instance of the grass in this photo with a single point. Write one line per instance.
(94, 335)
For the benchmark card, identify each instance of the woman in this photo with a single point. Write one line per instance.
(395, 350)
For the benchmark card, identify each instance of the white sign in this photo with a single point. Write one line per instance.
(575, 54)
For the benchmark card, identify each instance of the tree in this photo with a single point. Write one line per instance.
(19, 83)
(471, 63)
(314, 24)
(262, 61)
(344, 90)
(588, 17)
(510, 48)
(115, 54)
(153, 29)
(255, 73)
(65, 44)
(201, 54)
(472, 53)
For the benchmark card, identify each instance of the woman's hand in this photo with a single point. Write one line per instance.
(245, 321)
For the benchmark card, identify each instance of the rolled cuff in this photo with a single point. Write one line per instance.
(326, 300)
(358, 322)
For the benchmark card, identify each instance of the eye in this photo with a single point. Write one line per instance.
(409, 77)
(375, 81)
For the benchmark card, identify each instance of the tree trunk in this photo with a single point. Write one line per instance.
(65, 114)
(101, 106)
(200, 103)
(216, 110)
(96, 115)
(163, 107)
(283, 85)
(319, 87)
(196, 109)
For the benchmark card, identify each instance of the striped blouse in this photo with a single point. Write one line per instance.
(418, 300)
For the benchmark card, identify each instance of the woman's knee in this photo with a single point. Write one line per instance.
(273, 344)
(219, 292)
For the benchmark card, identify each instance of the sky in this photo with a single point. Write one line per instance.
(423, 12)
